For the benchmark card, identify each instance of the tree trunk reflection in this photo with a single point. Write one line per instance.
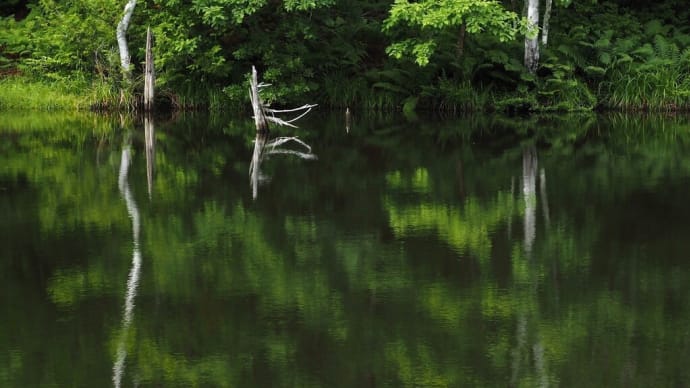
(529, 190)
(150, 139)
(264, 147)
(134, 273)
(528, 339)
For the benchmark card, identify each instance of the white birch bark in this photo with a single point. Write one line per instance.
(121, 33)
(532, 43)
(545, 23)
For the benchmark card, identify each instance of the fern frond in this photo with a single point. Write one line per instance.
(397, 75)
(645, 52)
(623, 58)
(625, 45)
(595, 70)
(682, 38)
(389, 87)
(605, 58)
(498, 56)
(685, 56)
(665, 49)
(602, 43)
(576, 56)
(656, 27)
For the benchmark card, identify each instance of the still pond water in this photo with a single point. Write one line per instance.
(465, 252)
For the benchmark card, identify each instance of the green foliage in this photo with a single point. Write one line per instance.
(432, 19)
(226, 38)
(454, 54)
(654, 75)
(59, 38)
(564, 92)
(627, 60)
(395, 85)
(460, 96)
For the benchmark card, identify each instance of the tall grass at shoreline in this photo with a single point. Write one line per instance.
(653, 91)
(19, 93)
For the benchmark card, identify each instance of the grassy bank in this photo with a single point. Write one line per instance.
(17, 93)
(571, 95)
(27, 93)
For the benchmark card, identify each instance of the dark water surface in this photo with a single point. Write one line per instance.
(481, 251)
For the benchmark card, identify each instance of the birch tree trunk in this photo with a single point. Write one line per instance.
(121, 33)
(545, 23)
(532, 44)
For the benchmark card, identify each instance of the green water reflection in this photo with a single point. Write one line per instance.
(481, 251)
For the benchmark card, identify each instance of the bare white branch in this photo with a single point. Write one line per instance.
(280, 121)
(305, 106)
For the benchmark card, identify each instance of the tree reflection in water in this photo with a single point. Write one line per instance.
(264, 148)
(529, 190)
(150, 139)
(134, 273)
(528, 320)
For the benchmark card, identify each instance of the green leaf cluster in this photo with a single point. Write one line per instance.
(430, 19)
